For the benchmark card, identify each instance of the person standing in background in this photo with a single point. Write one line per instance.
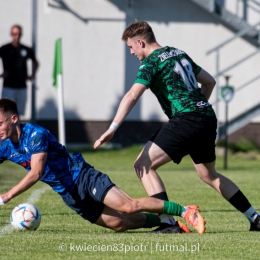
(14, 57)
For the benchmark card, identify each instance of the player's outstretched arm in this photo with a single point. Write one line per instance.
(37, 168)
(207, 83)
(127, 103)
(104, 138)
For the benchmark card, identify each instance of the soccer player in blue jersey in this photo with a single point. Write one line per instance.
(84, 189)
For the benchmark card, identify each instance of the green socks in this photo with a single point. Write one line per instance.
(152, 220)
(172, 208)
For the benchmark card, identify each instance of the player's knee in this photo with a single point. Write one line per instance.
(131, 207)
(127, 208)
(119, 225)
(208, 175)
(141, 165)
(138, 165)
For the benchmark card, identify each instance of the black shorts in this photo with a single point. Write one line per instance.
(87, 196)
(188, 134)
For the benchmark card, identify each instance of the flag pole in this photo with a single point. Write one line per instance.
(33, 85)
(61, 119)
(58, 83)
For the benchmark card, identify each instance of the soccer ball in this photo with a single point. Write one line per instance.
(25, 217)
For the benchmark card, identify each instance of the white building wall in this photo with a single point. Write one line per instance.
(98, 68)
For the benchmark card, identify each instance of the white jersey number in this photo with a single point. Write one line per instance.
(186, 72)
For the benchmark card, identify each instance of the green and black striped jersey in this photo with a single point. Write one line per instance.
(171, 75)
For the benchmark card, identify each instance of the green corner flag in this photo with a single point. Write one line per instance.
(58, 84)
(57, 66)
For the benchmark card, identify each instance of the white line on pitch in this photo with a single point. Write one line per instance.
(35, 195)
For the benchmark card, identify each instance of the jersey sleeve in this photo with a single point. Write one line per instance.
(145, 75)
(39, 141)
(2, 158)
(196, 68)
(31, 54)
(4, 150)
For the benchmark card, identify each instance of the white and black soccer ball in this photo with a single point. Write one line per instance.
(25, 217)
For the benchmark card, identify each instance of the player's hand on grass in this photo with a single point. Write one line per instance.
(104, 138)
(3, 199)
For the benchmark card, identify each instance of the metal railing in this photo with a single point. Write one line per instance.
(225, 70)
(248, 10)
(243, 17)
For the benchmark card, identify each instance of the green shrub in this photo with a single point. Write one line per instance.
(243, 145)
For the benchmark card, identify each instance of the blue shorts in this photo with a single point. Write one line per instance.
(87, 196)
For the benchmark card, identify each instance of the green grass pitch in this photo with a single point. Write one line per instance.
(64, 235)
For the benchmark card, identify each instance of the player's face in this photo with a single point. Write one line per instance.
(16, 34)
(6, 126)
(136, 47)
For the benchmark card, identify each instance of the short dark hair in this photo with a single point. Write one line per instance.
(142, 29)
(8, 106)
(19, 27)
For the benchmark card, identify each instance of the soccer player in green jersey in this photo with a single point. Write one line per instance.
(173, 77)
